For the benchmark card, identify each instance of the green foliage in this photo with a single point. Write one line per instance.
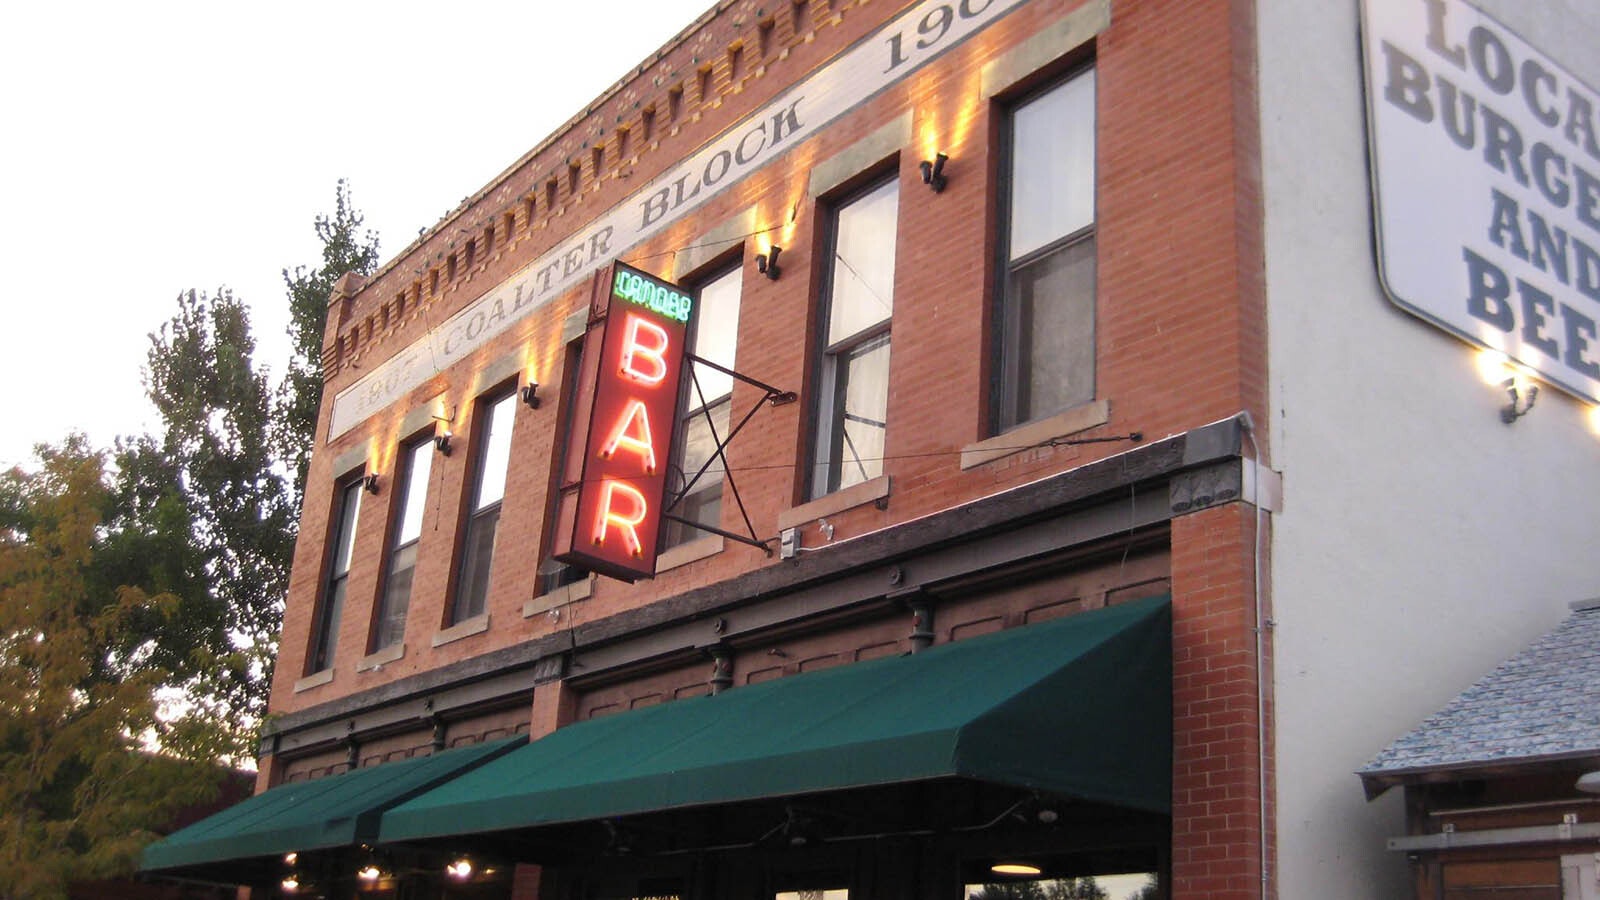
(345, 248)
(207, 509)
(1045, 889)
(204, 510)
(78, 682)
(168, 576)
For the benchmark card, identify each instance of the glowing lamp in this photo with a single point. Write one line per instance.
(460, 869)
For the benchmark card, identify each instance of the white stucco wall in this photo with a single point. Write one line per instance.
(1421, 540)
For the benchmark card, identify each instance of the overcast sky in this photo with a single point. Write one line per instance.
(157, 147)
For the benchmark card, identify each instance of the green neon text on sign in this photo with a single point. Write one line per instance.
(658, 298)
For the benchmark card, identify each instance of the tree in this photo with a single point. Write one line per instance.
(77, 689)
(205, 511)
(1048, 889)
(345, 248)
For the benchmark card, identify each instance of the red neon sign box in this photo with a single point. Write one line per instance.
(611, 521)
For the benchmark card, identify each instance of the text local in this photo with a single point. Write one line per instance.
(1555, 329)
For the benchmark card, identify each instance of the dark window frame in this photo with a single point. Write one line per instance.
(469, 589)
(1007, 349)
(335, 583)
(826, 457)
(551, 574)
(419, 445)
(676, 534)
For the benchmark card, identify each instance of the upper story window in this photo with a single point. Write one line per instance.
(390, 625)
(709, 408)
(858, 300)
(554, 574)
(325, 634)
(493, 456)
(1046, 316)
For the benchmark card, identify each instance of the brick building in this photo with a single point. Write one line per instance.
(1009, 315)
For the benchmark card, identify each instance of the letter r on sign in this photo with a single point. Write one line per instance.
(621, 506)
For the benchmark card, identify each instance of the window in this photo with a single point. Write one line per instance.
(326, 635)
(390, 627)
(1046, 320)
(715, 334)
(554, 574)
(1126, 872)
(853, 386)
(489, 472)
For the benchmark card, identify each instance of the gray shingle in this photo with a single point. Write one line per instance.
(1543, 702)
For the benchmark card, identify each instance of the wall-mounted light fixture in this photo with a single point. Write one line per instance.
(530, 394)
(460, 869)
(1014, 868)
(933, 172)
(767, 263)
(441, 442)
(290, 884)
(369, 872)
(1517, 405)
(370, 482)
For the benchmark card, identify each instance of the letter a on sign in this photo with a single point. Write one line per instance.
(609, 519)
(633, 435)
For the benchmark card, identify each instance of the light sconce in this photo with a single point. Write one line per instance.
(290, 858)
(1014, 868)
(933, 172)
(441, 442)
(530, 394)
(369, 872)
(767, 263)
(1589, 782)
(290, 884)
(370, 482)
(460, 869)
(1517, 405)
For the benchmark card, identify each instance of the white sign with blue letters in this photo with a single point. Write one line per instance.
(1486, 179)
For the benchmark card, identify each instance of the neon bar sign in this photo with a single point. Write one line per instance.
(631, 422)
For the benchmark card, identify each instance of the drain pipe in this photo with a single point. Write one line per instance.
(1262, 626)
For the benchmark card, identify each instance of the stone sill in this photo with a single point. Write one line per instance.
(380, 658)
(691, 551)
(478, 624)
(315, 679)
(1035, 434)
(565, 595)
(873, 490)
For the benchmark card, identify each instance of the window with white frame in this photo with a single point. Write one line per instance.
(709, 404)
(1047, 298)
(325, 634)
(389, 627)
(858, 301)
(492, 458)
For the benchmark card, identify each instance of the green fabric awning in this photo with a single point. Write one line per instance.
(339, 810)
(1080, 707)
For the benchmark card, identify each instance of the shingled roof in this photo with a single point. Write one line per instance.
(1541, 705)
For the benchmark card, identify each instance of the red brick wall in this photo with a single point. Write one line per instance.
(1216, 790)
(1179, 337)
(1179, 343)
